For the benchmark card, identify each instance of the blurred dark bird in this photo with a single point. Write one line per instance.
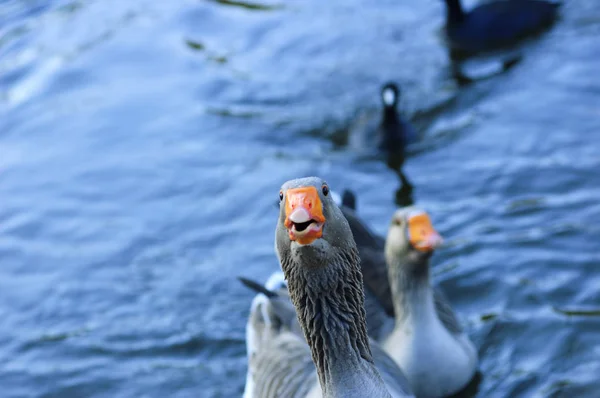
(394, 132)
(349, 199)
(384, 131)
(496, 24)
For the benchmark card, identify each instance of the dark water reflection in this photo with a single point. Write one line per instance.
(138, 173)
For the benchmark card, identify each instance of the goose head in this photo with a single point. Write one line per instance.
(411, 238)
(311, 226)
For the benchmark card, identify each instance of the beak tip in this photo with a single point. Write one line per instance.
(299, 215)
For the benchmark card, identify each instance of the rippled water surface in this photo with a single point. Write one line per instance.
(143, 143)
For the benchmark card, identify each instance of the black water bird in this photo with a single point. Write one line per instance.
(394, 132)
(496, 24)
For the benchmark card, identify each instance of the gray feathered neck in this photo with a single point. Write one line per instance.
(409, 281)
(329, 301)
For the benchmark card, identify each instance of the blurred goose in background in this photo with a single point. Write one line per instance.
(278, 365)
(427, 341)
(348, 199)
(495, 24)
(321, 265)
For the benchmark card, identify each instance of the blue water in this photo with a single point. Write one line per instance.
(142, 146)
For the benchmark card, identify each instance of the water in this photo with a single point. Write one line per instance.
(142, 146)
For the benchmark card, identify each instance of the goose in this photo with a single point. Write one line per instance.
(320, 262)
(427, 341)
(271, 327)
(495, 24)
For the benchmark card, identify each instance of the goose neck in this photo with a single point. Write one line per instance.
(411, 288)
(329, 301)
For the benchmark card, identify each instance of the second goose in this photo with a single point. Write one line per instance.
(427, 341)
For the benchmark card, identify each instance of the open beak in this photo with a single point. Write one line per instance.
(422, 235)
(304, 215)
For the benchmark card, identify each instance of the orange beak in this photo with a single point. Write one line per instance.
(304, 215)
(421, 233)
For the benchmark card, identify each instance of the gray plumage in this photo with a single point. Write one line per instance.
(279, 361)
(378, 295)
(326, 288)
(427, 341)
(282, 367)
(445, 312)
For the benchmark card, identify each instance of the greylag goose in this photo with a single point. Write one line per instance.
(321, 265)
(427, 340)
(278, 366)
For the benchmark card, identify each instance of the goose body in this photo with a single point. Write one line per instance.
(436, 360)
(321, 265)
(422, 333)
(495, 24)
(279, 361)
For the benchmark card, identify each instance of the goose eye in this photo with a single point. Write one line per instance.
(325, 190)
(397, 221)
(280, 196)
